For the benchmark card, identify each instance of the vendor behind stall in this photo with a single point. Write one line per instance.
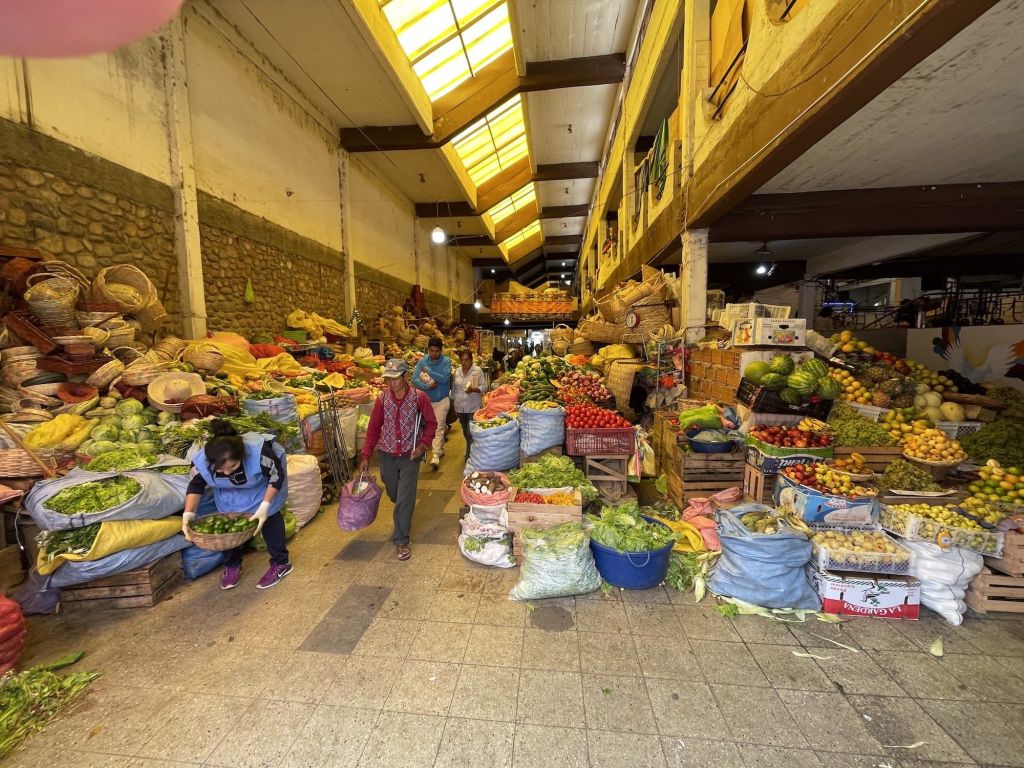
(247, 473)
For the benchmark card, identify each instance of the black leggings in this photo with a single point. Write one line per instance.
(273, 535)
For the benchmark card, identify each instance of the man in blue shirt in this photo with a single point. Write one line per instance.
(433, 374)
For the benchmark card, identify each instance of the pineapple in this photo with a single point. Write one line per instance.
(880, 399)
(903, 400)
(875, 374)
(892, 387)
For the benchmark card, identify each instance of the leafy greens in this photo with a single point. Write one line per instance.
(93, 496)
(553, 472)
(624, 529)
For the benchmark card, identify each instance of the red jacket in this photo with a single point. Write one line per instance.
(373, 429)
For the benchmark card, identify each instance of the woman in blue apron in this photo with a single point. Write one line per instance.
(247, 473)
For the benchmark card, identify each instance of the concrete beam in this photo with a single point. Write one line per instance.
(876, 249)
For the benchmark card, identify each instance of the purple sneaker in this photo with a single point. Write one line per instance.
(232, 574)
(273, 575)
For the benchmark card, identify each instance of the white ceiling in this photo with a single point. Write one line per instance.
(957, 117)
(403, 169)
(551, 193)
(552, 30)
(317, 45)
(558, 227)
(550, 114)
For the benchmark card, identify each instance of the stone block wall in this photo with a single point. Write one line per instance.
(377, 293)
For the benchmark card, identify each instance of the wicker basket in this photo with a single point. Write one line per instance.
(581, 348)
(651, 316)
(140, 375)
(89, 319)
(151, 316)
(561, 332)
(596, 329)
(208, 359)
(167, 349)
(103, 376)
(121, 337)
(124, 285)
(15, 462)
(221, 542)
(560, 347)
(52, 300)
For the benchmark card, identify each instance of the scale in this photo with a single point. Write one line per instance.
(632, 319)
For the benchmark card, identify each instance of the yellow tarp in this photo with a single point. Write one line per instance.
(239, 362)
(115, 536)
(691, 541)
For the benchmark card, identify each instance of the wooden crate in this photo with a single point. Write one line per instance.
(606, 468)
(1012, 561)
(524, 459)
(141, 588)
(757, 486)
(527, 515)
(995, 593)
(877, 458)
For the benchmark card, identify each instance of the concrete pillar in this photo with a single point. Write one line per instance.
(693, 283)
(183, 183)
(808, 300)
(349, 299)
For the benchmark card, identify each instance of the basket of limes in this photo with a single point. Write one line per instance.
(222, 531)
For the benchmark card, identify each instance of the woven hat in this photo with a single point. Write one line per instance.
(169, 391)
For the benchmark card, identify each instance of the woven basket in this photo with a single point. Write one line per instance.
(652, 315)
(14, 462)
(221, 542)
(103, 376)
(89, 319)
(596, 329)
(561, 332)
(124, 285)
(152, 316)
(52, 300)
(141, 374)
(209, 360)
(121, 336)
(167, 349)
(581, 348)
(97, 336)
(420, 341)
(560, 347)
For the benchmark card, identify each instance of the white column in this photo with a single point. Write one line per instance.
(808, 299)
(183, 183)
(693, 283)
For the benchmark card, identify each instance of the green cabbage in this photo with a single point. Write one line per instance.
(129, 407)
(105, 432)
(150, 446)
(165, 417)
(102, 446)
(134, 423)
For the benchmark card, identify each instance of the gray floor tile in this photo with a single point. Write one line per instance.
(618, 704)
(423, 687)
(757, 716)
(487, 693)
(614, 750)
(829, 723)
(991, 733)
(701, 623)
(608, 654)
(539, 746)
(347, 620)
(727, 663)
(601, 616)
(989, 678)
(402, 740)
(476, 744)
(550, 698)
(921, 675)
(898, 722)
(332, 736)
(754, 756)
(855, 672)
(784, 670)
(550, 650)
(699, 753)
(757, 629)
(361, 550)
(684, 709)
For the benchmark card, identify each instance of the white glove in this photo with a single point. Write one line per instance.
(186, 521)
(262, 511)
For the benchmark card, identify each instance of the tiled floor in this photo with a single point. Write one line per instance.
(357, 659)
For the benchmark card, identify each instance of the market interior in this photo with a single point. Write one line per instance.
(512, 383)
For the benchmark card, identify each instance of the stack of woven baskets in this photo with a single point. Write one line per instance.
(132, 292)
(637, 309)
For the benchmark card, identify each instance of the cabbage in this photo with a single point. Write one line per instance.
(114, 421)
(130, 436)
(134, 423)
(150, 446)
(102, 446)
(105, 432)
(128, 407)
(166, 417)
(84, 448)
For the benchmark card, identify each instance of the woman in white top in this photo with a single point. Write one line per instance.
(467, 388)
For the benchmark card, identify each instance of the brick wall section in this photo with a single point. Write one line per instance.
(714, 374)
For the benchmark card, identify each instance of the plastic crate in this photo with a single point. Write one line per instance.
(762, 400)
(597, 442)
(848, 559)
(917, 528)
(954, 430)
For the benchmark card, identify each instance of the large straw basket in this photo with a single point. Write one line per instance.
(141, 374)
(52, 300)
(167, 349)
(87, 319)
(581, 348)
(103, 376)
(645, 318)
(596, 329)
(561, 332)
(15, 462)
(221, 542)
(151, 316)
(204, 357)
(560, 347)
(124, 285)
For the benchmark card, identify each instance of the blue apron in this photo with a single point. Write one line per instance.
(244, 498)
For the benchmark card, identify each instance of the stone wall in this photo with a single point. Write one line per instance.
(85, 211)
(288, 272)
(377, 292)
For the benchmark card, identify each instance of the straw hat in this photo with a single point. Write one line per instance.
(169, 391)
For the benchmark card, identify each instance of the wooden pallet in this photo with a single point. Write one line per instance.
(877, 458)
(757, 486)
(608, 473)
(142, 588)
(993, 592)
(1012, 561)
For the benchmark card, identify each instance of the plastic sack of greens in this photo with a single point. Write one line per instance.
(305, 487)
(540, 429)
(282, 409)
(766, 569)
(99, 540)
(81, 498)
(128, 560)
(485, 537)
(557, 562)
(944, 576)
(707, 416)
(494, 449)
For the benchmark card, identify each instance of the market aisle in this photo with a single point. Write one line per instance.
(357, 659)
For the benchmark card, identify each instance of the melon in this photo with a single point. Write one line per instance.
(791, 396)
(782, 364)
(814, 367)
(828, 388)
(756, 371)
(773, 381)
(802, 382)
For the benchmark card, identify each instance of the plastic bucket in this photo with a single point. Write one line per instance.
(632, 570)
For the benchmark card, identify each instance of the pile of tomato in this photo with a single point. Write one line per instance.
(592, 417)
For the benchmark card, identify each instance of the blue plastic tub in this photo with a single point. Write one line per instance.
(700, 446)
(632, 570)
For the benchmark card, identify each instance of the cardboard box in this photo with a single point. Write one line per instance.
(764, 460)
(857, 594)
(815, 507)
(769, 331)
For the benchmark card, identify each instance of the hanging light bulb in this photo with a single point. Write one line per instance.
(492, 271)
(761, 269)
(507, 322)
(437, 235)
(477, 304)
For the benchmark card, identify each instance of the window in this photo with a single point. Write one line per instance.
(493, 143)
(524, 236)
(522, 198)
(449, 41)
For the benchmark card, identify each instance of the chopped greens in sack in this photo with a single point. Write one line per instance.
(624, 529)
(93, 496)
(82, 497)
(557, 563)
(98, 540)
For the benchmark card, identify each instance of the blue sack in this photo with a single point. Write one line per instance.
(540, 429)
(73, 573)
(495, 449)
(766, 569)
(197, 561)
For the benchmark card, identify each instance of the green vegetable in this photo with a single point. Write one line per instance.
(290, 526)
(665, 509)
(101, 446)
(121, 459)
(128, 407)
(93, 496)
(178, 437)
(553, 472)
(75, 541)
(682, 567)
(1001, 440)
(133, 423)
(625, 530)
(728, 610)
(853, 429)
(30, 699)
(105, 432)
(165, 417)
(1013, 399)
(177, 469)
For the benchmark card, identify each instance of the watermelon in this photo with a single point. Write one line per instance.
(828, 388)
(773, 381)
(814, 367)
(802, 382)
(756, 371)
(782, 363)
(791, 396)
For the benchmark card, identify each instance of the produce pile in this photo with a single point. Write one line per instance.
(903, 475)
(74, 541)
(131, 425)
(998, 485)
(122, 460)
(769, 522)
(933, 445)
(485, 483)
(854, 464)
(93, 496)
(852, 429)
(859, 551)
(537, 377)
(625, 530)
(791, 437)
(560, 498)
(553, 472)
(221, 524)
(807, 382)
(593, 417)
(1002, 440)
(179, 437)
(581, 387)
(824, 479)
(497, 421)
(904, 422)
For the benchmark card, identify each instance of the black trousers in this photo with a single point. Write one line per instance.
(464, 419)
(273, 535)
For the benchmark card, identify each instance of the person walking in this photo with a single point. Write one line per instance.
(248, 474)
(402, 426)
(467, 389)
(433, 375)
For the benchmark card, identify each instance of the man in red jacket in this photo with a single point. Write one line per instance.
(402, 426)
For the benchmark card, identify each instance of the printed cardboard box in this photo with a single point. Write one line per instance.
(857, 594)
(815, 507)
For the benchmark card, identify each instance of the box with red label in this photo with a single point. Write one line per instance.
(769, 332)
(856, 594)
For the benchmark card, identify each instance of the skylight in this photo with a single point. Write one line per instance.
(522, 198)
(449, 41)
(523, 236)
(493, 143)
